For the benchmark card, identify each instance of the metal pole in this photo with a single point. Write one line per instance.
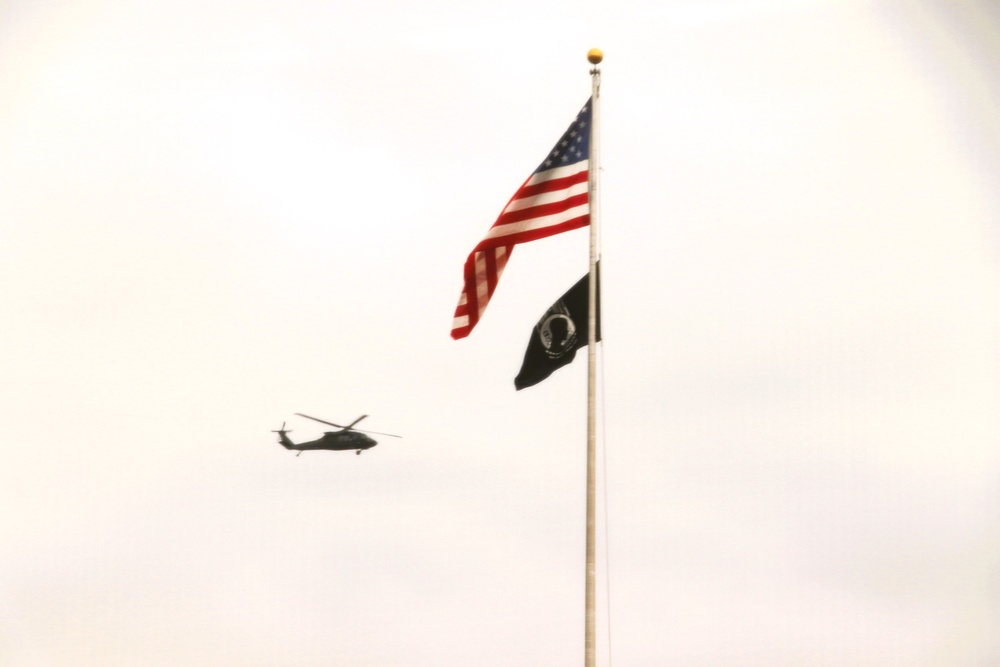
(590, 644)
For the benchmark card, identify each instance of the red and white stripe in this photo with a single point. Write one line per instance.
(548, 203)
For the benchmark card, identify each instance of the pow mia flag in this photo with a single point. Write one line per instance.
(557, 336)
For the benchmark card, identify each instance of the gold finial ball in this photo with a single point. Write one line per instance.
(595, 56)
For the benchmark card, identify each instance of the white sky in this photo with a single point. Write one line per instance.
(216, 214)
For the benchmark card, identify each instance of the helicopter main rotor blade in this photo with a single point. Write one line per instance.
(351, 425)
(321, 421)
(376, 433)
(348, 427)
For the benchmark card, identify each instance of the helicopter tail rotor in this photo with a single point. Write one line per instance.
(282, 438)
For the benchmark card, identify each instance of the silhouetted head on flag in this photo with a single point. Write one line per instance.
(558, 334)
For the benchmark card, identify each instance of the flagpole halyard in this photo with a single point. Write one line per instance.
(594, 56)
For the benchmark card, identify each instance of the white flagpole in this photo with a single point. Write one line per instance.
(590, 644)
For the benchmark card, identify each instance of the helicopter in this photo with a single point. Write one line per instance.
(346, 438)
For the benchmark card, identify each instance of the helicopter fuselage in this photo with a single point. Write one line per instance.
(335, 441)
(341, 440)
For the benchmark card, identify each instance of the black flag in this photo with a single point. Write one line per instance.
(559, 333)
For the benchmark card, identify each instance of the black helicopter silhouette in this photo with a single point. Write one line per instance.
(346, 438)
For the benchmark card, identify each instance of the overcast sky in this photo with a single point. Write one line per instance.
(216, 214)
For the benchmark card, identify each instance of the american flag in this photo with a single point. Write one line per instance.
(554, 199)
